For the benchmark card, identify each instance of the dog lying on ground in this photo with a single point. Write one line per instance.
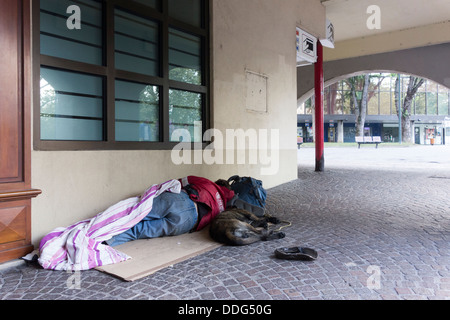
(238, 227)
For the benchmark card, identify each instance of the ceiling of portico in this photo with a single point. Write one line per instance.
(349, 17)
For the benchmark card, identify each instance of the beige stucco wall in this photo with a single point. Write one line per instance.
(76, 185)
(259, 36)
(255, 35)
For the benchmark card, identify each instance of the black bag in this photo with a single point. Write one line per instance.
(250, 194)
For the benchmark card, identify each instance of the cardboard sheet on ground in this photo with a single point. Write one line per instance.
(152, 255)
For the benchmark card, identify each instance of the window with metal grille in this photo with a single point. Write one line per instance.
(125, 77)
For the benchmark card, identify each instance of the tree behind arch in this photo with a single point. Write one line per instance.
(414, 84)
(362, 89)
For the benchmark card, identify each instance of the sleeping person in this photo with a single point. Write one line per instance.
(172, 214)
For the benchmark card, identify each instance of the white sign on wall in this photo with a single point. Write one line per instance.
(329, 40)
(256, 98)
(306, 48)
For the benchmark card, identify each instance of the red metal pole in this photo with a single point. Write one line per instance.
(319, 92)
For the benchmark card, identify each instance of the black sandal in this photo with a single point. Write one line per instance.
(296, 253)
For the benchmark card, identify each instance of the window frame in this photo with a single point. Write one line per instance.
(110, 75)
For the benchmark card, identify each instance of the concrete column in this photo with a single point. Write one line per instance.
(413, 132)
(340, 131)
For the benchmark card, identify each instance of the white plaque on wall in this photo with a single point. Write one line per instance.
(256, 99)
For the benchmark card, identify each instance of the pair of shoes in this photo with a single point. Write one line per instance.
(296, 253)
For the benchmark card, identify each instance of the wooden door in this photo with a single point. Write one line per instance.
(15, 135)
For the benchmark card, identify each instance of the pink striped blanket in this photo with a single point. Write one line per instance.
(79, 247)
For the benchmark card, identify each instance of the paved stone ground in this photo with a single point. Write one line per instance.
(381, 233)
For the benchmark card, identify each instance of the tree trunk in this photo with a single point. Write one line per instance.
(414, 84)
(361, 85)
(333, 94)
(358, 132)
(406, 120)
(361, 107)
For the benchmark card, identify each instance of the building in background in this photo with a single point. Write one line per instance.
(430, 112)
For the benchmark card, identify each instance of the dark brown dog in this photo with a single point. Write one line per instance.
(238, 227)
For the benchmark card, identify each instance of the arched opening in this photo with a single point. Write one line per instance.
(368, 103)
